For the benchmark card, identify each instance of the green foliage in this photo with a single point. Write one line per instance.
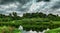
(14, 16)
(57, 30)
(35, 21)
(29, 24)
(9, 29)
(34, 15)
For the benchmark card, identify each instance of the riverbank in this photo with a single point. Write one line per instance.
(35, 24)
(57, 30)
(9, 29)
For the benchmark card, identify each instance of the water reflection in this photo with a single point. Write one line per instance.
(31, 32)
(23, 31)
(20, 27)
(34, 31)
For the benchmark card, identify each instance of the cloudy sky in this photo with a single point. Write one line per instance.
(29, 6)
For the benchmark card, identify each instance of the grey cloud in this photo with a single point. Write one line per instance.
(23, 6)
(56, 6)
(21, 1)
(43, 0)
(10, 1)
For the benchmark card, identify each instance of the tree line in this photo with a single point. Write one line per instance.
(42, 15)
(14, 16)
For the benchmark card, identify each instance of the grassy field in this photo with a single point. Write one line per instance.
(57, 30)
(8, 29)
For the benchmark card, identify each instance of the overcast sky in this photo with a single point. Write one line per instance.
(29, 6)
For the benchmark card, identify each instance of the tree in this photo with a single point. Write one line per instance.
(41, 15)
(27, 15)
(52, 17)
(10, 15)
(14, 14)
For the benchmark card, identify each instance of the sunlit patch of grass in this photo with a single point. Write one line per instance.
(57, 30)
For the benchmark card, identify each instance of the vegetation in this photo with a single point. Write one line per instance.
(57, 30)
(35, 21)
(9, 29)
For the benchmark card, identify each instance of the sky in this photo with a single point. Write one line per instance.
(29, 6)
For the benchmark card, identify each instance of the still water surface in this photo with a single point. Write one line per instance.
(23, 31)
(31, 32)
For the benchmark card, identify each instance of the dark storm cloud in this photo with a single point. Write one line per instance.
(6, 1)
(47, 0)
(43, 0)
(56, 6)
(22, 6)
(38, 0)
(21, 1)
(9, 1)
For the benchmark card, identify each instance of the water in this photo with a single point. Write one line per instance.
(23, 31)
(31, 32)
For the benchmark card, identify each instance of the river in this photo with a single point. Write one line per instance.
(31, 32)
(23, 31)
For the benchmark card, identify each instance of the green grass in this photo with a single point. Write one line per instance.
(57, 30)
(5, 29)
